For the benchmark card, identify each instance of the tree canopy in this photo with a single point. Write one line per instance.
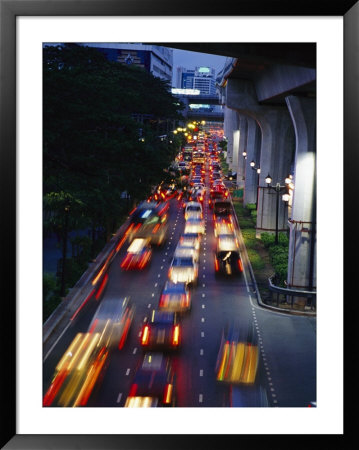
(101, 122)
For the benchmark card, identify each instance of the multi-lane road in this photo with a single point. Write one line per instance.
(286, 375)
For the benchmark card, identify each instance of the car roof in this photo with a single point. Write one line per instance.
(190, 236)
(227, 243)
(162, 317)
(171, 287)
(137, 245)
(194, 204)
(182, 261)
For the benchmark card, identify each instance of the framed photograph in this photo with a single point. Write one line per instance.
(25, 29)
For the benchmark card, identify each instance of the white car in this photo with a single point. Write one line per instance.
(183, 270)
(186, 251)
(190, 240)
(193, 209)
(194, 225)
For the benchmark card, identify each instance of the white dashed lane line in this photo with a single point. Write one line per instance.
(264, 358)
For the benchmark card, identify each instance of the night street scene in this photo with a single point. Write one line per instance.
(179, 225)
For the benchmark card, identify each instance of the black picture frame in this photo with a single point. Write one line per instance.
(9, 10)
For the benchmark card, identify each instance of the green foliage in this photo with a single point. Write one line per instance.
(256, 260)
(267, 239)
(223, 145)
(278, 254)
(251, 206)
(51, 294)
(94, 148)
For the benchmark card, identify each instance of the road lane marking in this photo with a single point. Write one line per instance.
(201, 373)
(119, 397)
(128, 372)
(202, 333)
(202, 319)
(200, 398)
(134, 351)
(201, 352)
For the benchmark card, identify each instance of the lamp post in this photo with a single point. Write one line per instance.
(258, 170)
(278, 189)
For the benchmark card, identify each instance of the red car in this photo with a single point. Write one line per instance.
(138, 255)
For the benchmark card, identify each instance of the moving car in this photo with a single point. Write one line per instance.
(112, 320)
(183, 270)
(190, 240)
(153, 383)
(194, 225)
(138, 254)
(161, 331)
(187, 250)
(238, 357)
(227, 259)
(149, 220)
(78, 371)
(222, 208)
(193, 209)
(175, 297)
(223, 226)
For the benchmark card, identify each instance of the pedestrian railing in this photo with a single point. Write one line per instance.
(289, 298)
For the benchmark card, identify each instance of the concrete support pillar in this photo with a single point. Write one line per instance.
(231, 126)
(275, 160)
(235, 157)
(302, 242)
(233, 139)
(253, 153)
(240, 168)
(277, 146)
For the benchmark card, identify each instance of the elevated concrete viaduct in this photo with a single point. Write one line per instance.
(269, 95)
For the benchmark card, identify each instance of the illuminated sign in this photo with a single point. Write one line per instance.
(199, 106)
(203, 69)
(185, 91)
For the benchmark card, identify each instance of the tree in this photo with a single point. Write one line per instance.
(92, 144)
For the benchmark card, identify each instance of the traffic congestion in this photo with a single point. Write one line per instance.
(173, 325)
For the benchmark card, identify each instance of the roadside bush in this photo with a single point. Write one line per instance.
(267, 239)
(249, 237)
(251, 206)
(256, 260)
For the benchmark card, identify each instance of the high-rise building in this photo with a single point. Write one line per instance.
(202, 78)
(154, 58)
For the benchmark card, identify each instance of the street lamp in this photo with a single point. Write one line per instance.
(278, 189)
